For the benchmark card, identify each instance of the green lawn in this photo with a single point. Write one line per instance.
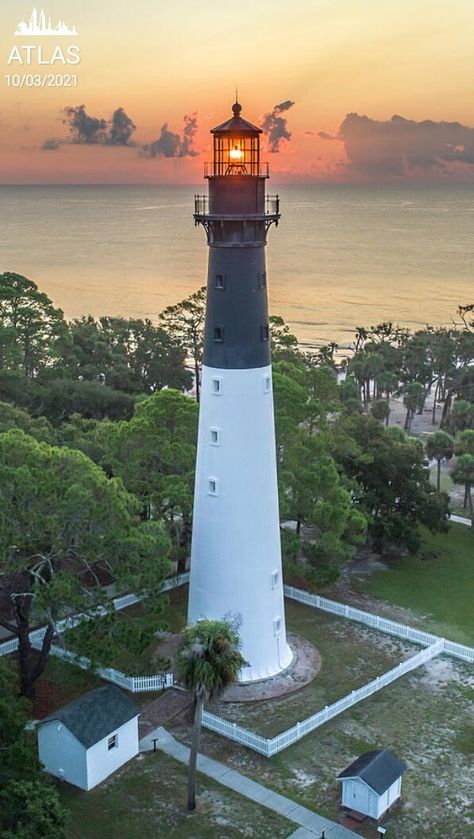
(351, 654)
(146, 798)
(424, 717)
(438, 586)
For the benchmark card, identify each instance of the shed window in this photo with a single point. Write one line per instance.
(214, 439)
(216, 386)
(220, 281)
(218, 334)
(264, 331)
(212, 486)
(112, 742)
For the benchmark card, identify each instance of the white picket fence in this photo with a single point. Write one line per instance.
(135, 684)
(9, 646)
(270, 747)
(70, 622)
(434, 646)
(401, 630)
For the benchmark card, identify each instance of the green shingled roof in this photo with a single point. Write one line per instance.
(96, 714)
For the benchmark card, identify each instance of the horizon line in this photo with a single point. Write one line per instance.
(284, 183)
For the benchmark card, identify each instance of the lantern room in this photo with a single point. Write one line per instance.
(236, 185)
(236, 148)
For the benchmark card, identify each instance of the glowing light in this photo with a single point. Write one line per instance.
(236, 154)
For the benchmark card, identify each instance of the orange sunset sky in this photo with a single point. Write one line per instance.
(320, 59)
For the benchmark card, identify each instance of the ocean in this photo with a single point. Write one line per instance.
(341, 257)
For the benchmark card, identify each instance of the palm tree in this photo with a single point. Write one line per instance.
(462, 415)
(438, 446)
(463, 473)
(413, 400)
(381, 410)
(464, 444)
(209, 660)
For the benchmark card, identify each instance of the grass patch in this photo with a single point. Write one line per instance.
(437, 585)
(351, 654)
(147, 798)
(464, 740)
(423, 717)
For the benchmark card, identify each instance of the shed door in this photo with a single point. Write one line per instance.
(360, 797)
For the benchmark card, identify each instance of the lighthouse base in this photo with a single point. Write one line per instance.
(285, 657)
(304, 667)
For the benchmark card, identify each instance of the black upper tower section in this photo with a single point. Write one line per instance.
(236, 217)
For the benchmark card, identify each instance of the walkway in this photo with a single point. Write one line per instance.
(310, 824)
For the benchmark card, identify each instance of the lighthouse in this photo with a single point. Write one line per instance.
(236, 571)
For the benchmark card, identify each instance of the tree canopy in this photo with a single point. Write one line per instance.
(30, 326)
(29, 803)
(126, 354)
(392, 483)
(185, 322)
(66, 531)
(154, 453)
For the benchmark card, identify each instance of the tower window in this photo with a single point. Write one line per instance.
(218, 334)
(212, 486)
(265, 332)
(215, 437)
(277, 626)
(275, 576)
(217, 386)
(220, 281)
(262, 279)
(267, 384)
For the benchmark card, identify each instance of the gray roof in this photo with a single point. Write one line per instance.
(236, 124)
(96, 714)
(378, 769)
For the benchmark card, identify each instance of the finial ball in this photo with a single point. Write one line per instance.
(236, 109)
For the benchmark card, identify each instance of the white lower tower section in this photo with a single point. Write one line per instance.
(236, 555)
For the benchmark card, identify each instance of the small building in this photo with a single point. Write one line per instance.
(372, 783)
(87, 740)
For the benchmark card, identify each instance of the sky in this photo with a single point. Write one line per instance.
(348, 91)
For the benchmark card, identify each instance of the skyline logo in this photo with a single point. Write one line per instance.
(37, 25)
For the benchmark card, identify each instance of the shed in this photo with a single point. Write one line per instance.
(87, 740)
(372, 783)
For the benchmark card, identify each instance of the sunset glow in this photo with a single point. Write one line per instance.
(301, 70)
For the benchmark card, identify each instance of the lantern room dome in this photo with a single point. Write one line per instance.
(236, 125)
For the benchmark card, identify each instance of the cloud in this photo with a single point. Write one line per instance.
(402, 146)
(84, 128)
(170, 144)
(51, 144)
(92, 130)
(323, 135)
(121, 129)
(274, 125)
